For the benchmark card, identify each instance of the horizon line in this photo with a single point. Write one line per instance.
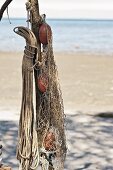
(82, 19)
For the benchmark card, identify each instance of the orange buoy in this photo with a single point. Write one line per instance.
(42, 83)
(45, 33)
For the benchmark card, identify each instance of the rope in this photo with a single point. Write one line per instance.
(27, 149)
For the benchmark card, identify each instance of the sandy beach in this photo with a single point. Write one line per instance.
(87, 87)
(86, 81)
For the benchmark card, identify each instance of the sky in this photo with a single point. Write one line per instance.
(89, 9)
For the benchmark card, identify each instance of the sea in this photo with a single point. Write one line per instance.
(69, 35)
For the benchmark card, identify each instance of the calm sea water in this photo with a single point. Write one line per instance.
(68, 35)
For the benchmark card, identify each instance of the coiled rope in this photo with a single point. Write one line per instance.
(27, 149)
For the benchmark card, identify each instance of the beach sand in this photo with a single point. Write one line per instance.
(86, 81)
(87, 86)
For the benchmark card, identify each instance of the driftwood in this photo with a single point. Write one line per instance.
(3, 8)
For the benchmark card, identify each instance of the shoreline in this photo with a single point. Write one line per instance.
(79, 53)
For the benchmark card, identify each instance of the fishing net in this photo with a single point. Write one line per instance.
(50, 118)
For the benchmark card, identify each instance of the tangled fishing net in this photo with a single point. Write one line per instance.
(50, 120)
(41, 141)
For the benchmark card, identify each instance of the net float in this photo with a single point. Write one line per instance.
(45, 33)
(42, 83)
(49, 141)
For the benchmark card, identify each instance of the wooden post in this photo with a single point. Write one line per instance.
(35, 24)
(36, 21)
